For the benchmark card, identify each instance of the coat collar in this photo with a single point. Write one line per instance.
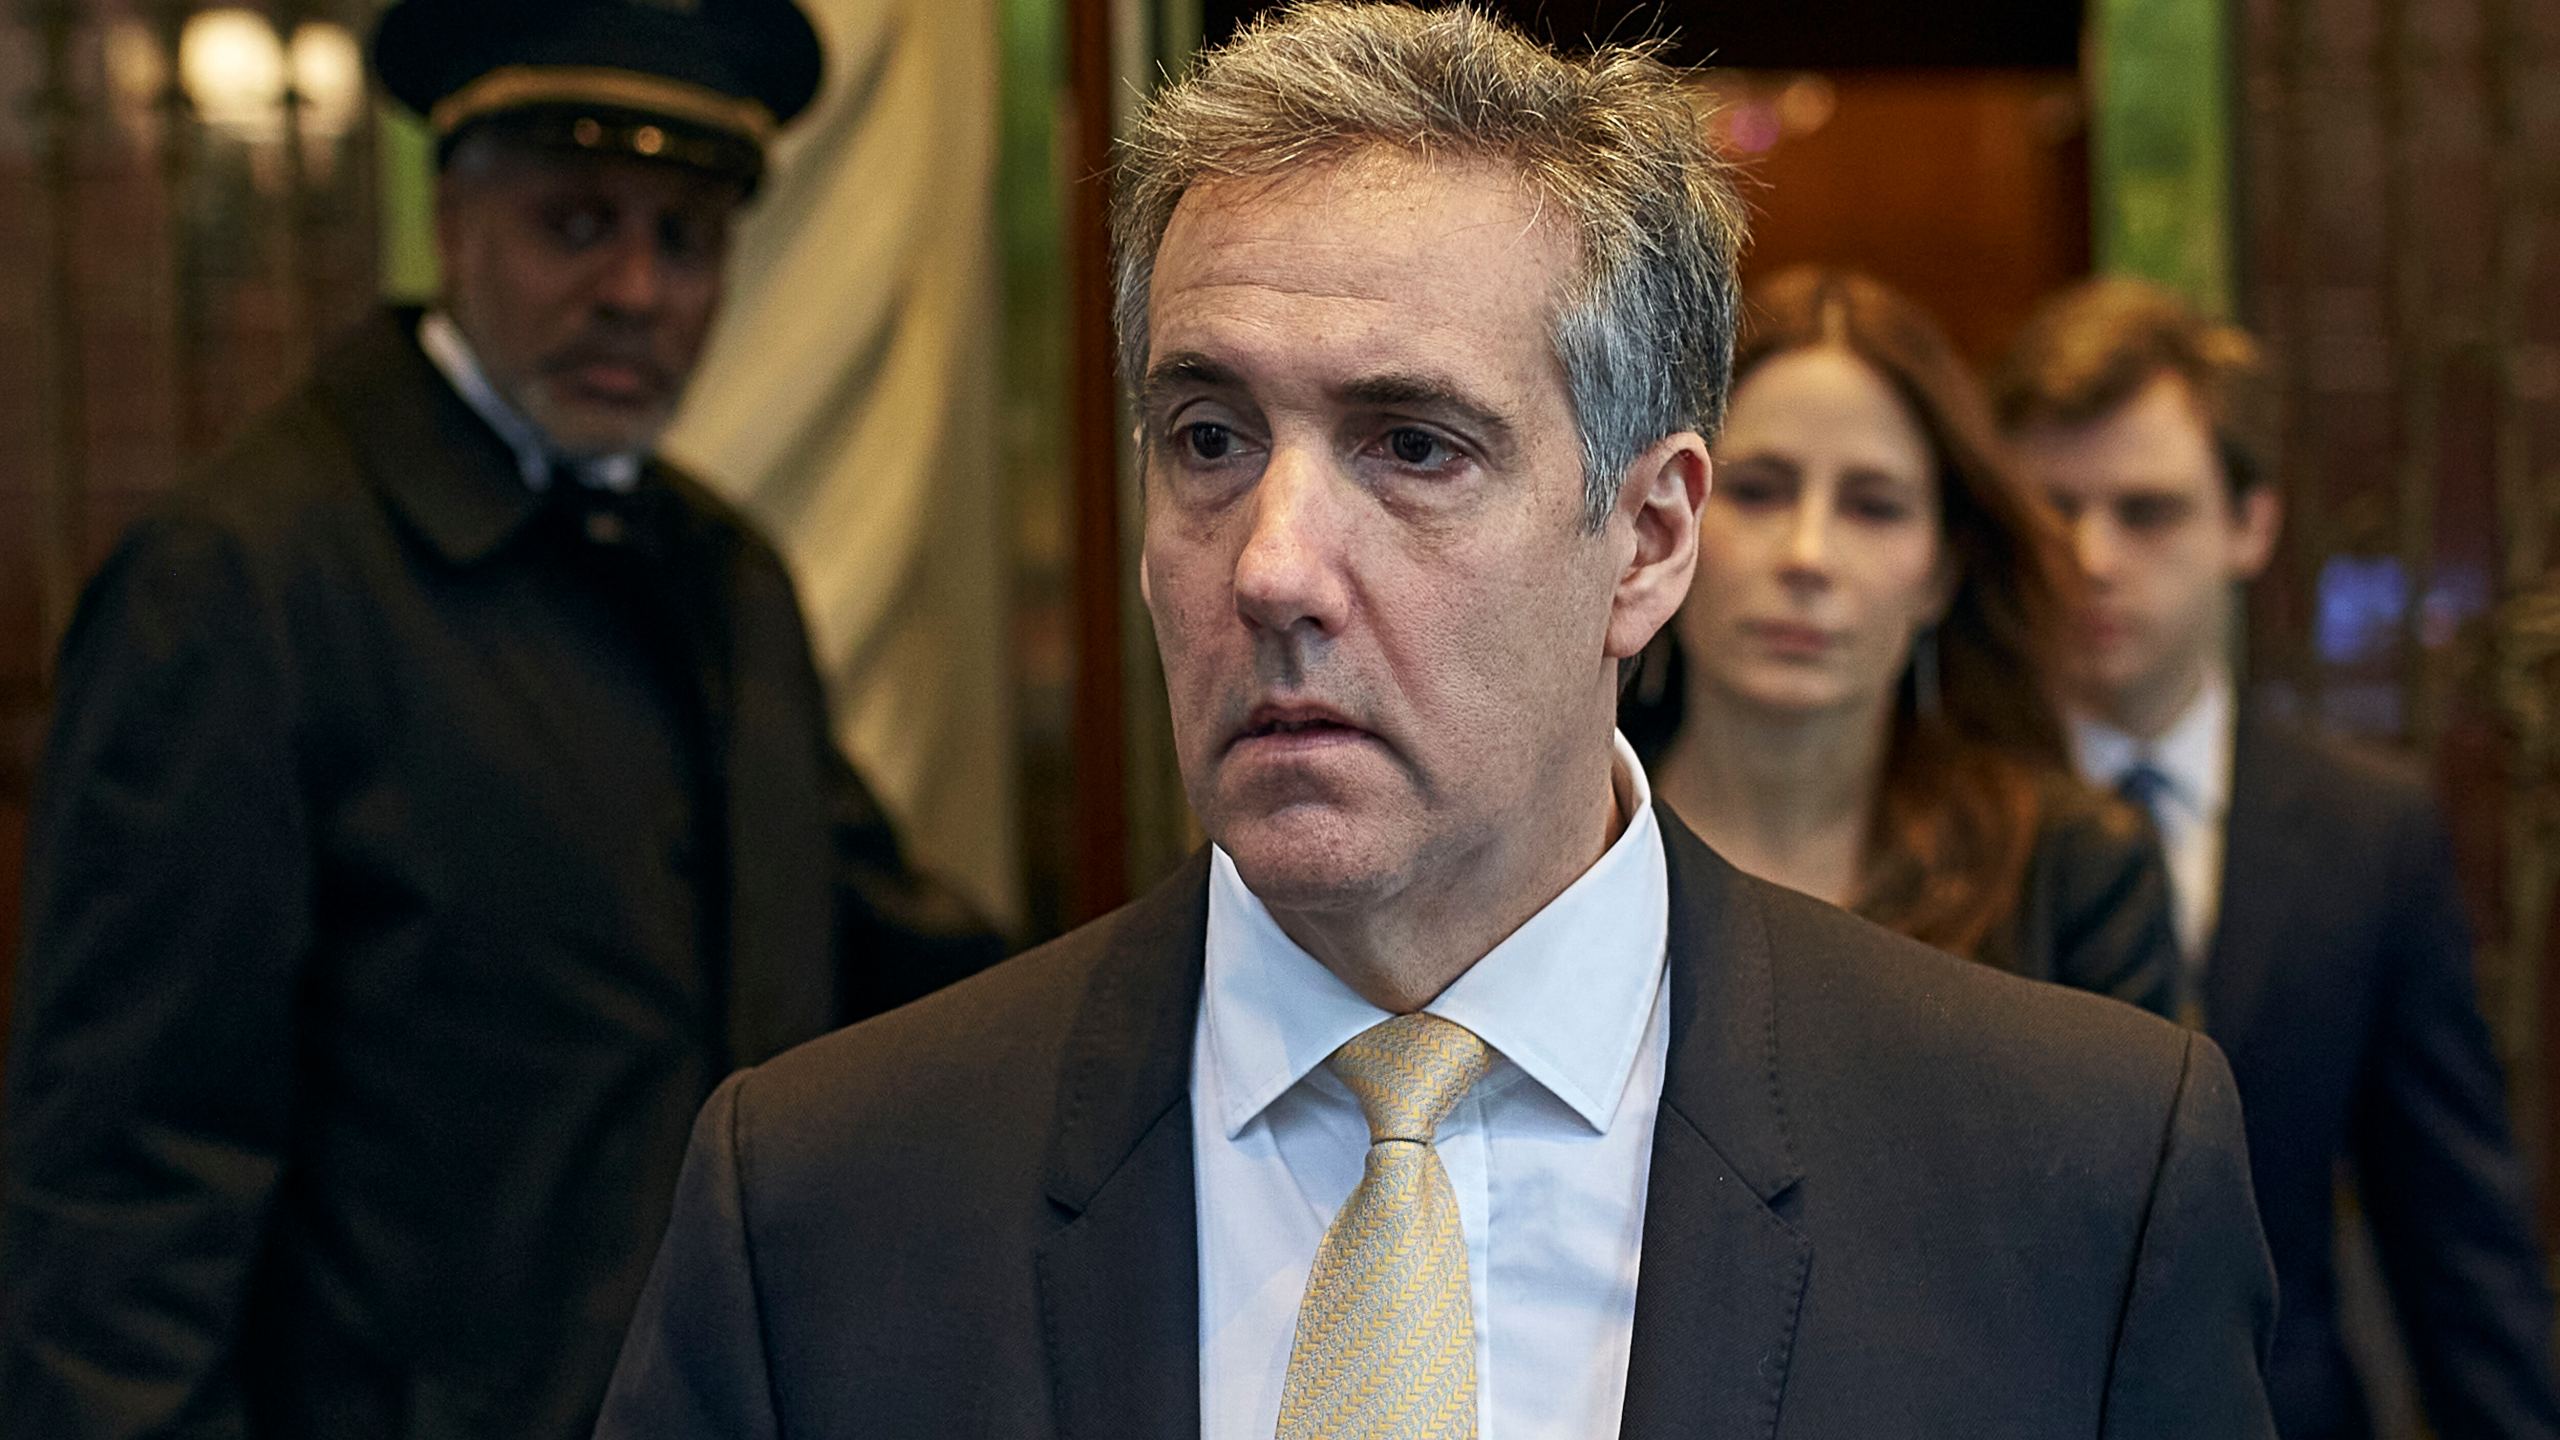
(443, 470)
(440, 465)
(1724, 1269)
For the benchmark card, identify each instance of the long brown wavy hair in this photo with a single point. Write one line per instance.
(1966, 778)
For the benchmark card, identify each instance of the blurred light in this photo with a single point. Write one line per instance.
(136, 75)
(1753, 112)
(1752, 127)
(2361, 600)
(328, 73)
(233, 67)
(1807, 104)
(133, 63)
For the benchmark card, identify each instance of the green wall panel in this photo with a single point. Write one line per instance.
(406, 166)
(2160, 76)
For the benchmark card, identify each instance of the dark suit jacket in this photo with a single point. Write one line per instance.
(404, 876)
(2340, 985)
(1892, 1194)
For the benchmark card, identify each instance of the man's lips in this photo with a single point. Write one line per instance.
(2104, 630)
(1294, 727)
(615, 379)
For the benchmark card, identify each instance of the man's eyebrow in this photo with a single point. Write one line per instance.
(1185, 369)
(1429, 394)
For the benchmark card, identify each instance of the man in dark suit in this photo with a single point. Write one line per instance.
(2321, 928)
(440, 802)
(1456, 1086)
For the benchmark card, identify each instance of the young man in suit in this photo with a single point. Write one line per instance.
(1455, 1088)
(2317, 913)
(440, 801)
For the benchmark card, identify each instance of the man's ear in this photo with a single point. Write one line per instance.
(1658, 504)
(2257, 519)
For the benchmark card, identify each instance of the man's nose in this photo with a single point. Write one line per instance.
(634, 278)
(1288, 574)
(2095, 544)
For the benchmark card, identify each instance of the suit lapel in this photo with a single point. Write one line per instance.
(2264, 860)
(439, 465)
(1119, 1280)
(1723, 1274)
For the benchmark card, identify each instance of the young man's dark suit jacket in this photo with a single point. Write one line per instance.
(405, 874)
(2340, 985)
(1892, 1194)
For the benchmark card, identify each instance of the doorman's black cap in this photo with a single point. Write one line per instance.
(703, 83)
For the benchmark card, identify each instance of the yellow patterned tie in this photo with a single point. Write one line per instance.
(1386, 1345)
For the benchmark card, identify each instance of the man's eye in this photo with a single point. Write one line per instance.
(2150, 514)
(1207, 441)
(682, 242)
(581, 226)
(1415, 447)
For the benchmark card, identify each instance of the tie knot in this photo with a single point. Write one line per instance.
(2143, 784)
(1409, 1072)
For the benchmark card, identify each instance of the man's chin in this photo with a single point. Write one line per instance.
(582, 428)
(1304, 861)
(2118, 681)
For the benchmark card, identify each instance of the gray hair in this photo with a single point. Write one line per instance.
(1645, 330)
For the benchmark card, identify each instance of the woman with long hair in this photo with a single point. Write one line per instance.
(1855, 700)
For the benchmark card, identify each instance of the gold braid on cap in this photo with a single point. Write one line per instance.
(511, 87)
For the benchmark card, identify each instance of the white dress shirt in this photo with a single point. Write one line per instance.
(454, 358)
(2194, 756)
(1548, 1154)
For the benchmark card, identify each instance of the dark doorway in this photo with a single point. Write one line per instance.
(1943, 148)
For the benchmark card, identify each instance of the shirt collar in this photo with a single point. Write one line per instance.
(1565, 998)
(2193, 754)
(453, 356)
